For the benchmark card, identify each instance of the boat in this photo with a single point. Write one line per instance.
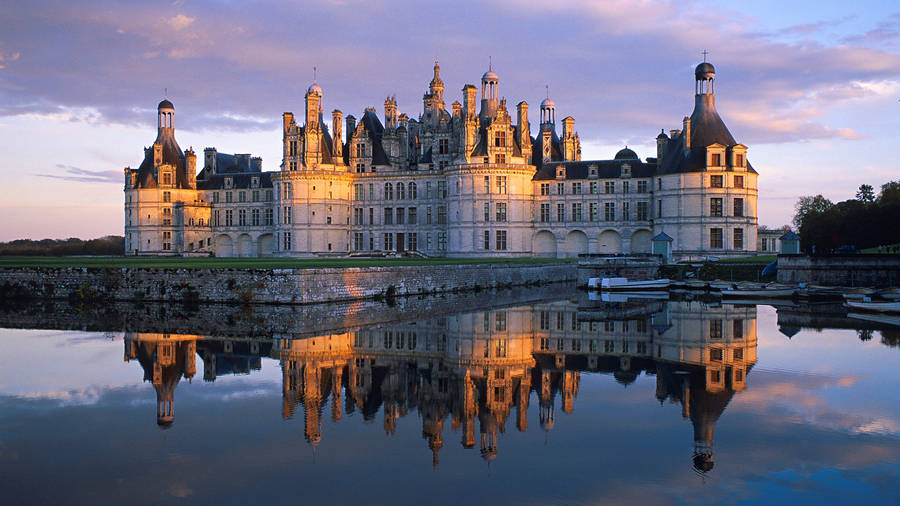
(756, 290)
(718, 284)
(878, 318)
(879, 307)
(892, 294)
(633, 296)
(626, 285)
(858, 294)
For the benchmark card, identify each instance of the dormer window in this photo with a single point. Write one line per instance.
(229, 182)
(166, 178)
(626, 170)
(254, 182)
(715, 159)
(592, 171)
(560, 172)
(738, 157)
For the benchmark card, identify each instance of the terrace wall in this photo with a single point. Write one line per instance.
(840, 270)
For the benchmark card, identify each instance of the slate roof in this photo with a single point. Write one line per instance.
(240, 180)
(606, 169)
(375, 130)
(537, 150)
(171, 154)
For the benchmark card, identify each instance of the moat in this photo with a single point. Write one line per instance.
(537, 395)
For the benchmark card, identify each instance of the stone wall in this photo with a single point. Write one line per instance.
(840, 270)
(273, 286)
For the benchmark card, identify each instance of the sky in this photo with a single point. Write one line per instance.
(813, 88)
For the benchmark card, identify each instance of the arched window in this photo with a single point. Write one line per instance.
(413, 190)
(401, 191)
(388, 191)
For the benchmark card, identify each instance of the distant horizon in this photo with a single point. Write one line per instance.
(812, 93)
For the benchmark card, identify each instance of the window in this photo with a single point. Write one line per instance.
(357, 216)
(738, 160)
(412, 241)
(442, 241)
(254, 217)
(501, 184)
(609, 346)
(576, 211)
(270, 217)
(738, 354)
(626, 210)
(545, 213)
(371, 191)
(715, 181)
(715, 354)
(715, 329)
(487, 211)
(388, 241)
(401, 191)
(268, 195)
(659, 183)
(413, 190)
(228, 197)
(388, 191)
(545, 320)
(499, 158)
(443, 146)
(609, 187)
(501, 244)
(442, 189)
(242, 196)
(167, 196)
(358, 193)
(560, 212)
(576, 188)
(738, 329)
(739, 207)
(642, 211)
(388, 216)
(167, 178)
(242, 217)
(428, 192)
(738, 238)
(442, 215)
(287, 241)
(560, 188)
(625, 186)
(500, 139)
(545, 188)
(229, 217)
(411, 216)
(739, 181)
(715, 238)
(486, 239)
(357, 241)
(609, 211)
(428, 215)
(642, 187)
(715, 159)
(501, 211)
(593, 210)
(215, 197)
(715, 207)
(360, 150)
(255, 195)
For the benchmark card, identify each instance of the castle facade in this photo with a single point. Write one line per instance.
(472, 181)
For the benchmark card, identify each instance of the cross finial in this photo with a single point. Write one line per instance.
(705, 53)
(490, 62)
(166, 92)
(548, 90)
(315, 74)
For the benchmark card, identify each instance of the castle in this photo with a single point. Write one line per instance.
(472, 181)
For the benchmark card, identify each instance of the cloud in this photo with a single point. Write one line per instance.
(79, 175)
(180, 22)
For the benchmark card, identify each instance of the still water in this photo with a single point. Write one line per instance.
(514, 397)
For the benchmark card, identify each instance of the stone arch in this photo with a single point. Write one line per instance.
(245, 245)
(576, 243)
(224, 246)
(609, 242)
(544, 244)
(640, 241)
(265, 245)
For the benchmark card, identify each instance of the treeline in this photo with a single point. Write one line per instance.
(109, 245)
(864, 222)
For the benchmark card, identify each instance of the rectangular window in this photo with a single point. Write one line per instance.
(429, 193)
(738, 160)
(501, 240)
(738, 181)
(428, 215)
(442, 189)
(738, 238)
(242, 196)
(486, 239)
(715, 159)
(642, 187)
(442, 241)
(501, 211)
(715, 181)
(270, 216)
(357, 216)
(388, 216)
(560, 188)
(167, 196)
(487, 184)
(715, 329)
(412, 219)
(715, 238)
(255, 217)
(357, 241)
(288, 214)
(388, 241)
(242, 217)
(228, 197)
(626, 211)
(715, 207)
(545, 213)
(609, 187)
(593, 209)
(487, 211)
(255, 195)
(412, 241)
(545, 188)
(500, 158)
(659, 208)
(609, 211)
(738, 354)
(715, 354)
(576, 188)
(576, 211)
(215, 197)
(401, 215)
(625, 186)
(358, 191)
(442, 215)
(642, 211)
(268, 195)
(738, 329)
(594, 187)
(560, 212)
(229, 216)
(739, 207)
(287, 241)
(501, 184)
(443, 146)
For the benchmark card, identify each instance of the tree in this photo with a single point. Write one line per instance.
(809, 205)
(865, 194)
(890, 192)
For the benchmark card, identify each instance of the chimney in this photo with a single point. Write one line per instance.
(524, 131)
(209, 159)
(687, 134)
(336, 125)
(256, 164)
(351, 126)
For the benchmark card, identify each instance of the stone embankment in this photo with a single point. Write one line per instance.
(272, 286)
(840, 270)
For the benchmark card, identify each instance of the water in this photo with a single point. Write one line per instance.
(541, 397)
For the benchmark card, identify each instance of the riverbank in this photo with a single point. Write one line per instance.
(274, 285)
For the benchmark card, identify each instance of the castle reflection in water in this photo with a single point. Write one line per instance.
(476, 370)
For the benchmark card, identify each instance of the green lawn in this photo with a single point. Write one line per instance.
(875, 249)
(250, 263)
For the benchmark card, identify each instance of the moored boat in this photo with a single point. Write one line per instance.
(626, 285)
(756, 290)
(887, 319)
(879, 307)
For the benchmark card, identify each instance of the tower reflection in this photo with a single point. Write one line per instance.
(477, 369)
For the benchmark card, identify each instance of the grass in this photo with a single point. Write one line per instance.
(758, 259)
(251, 263)
(875, 249)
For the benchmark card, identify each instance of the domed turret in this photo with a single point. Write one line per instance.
(626, 154)
(705, 71)
(315, 89)
(165, 104)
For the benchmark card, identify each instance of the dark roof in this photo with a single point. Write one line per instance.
(375, 131)
(240, 180)
(606, 169)
(537, 149)
(662, 236)
(165, 104)
(789, 236)
(704, 69)
(171, 154)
